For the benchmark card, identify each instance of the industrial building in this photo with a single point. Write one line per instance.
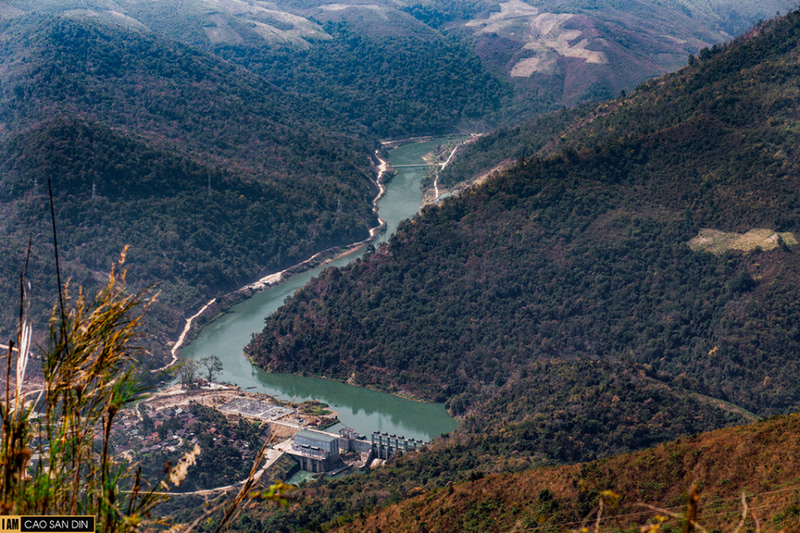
(318, 452)
(315, 451)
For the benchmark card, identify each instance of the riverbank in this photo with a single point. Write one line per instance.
(351, 381)
(225, 335)
(217, 306)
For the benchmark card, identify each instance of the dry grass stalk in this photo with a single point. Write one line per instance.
(90, 376)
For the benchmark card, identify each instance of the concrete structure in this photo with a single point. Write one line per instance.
(351, 441)
(318, 451)
(355, 445)
(385, 445)
(315, 451)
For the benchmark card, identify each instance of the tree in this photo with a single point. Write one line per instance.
(147, 423)
(187, 371)
(213, 366)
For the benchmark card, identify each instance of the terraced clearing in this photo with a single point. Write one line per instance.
(546, 34)
(719, 242)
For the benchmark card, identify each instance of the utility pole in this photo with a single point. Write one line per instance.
(209, 184)
(35, 187)
(94, 191)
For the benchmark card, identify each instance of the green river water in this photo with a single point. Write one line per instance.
(359, 408)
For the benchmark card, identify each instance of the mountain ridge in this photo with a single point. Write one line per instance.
(133, 122)
(755, 461)
(532, 56)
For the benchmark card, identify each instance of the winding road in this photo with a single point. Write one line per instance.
(474, 137)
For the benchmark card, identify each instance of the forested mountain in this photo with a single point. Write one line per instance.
(210, 173)
(411, 67)
(415, 83)
(598, 299)
(757, 460)
(379, 68)
(251, 125)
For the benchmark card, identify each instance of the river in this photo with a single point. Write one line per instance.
(362, 409)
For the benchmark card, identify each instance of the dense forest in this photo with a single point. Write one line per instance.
(210, 173)
(394, 86)
(383, 72)
(558, 309)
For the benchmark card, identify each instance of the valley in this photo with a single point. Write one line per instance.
(155, 163)
(558, 309)
(361, 409)
(576, 289)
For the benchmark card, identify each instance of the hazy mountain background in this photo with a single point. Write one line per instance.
(417, 67)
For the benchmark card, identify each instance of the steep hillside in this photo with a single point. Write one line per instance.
(413, 83)
(379, 68)
(758, 460)
(211, 174)
(400, 68)
(562, 53)
(373, 67)
(582, 261)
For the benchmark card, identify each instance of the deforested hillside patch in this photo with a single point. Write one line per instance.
(718, 242)
(725, 86)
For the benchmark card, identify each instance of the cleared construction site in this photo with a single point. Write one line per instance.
(315, 450)
(260, 409)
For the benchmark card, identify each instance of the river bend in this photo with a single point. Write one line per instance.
(362, 409)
